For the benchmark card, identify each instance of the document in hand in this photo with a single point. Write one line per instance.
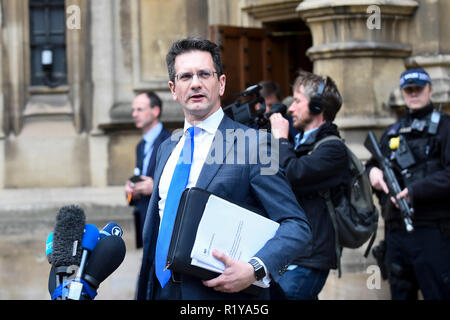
(236, 231)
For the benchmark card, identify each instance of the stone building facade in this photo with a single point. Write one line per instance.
(80, 133)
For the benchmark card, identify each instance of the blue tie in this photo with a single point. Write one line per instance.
(177, 185)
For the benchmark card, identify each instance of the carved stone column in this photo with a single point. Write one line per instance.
(429, 33)
(362, 45)
(2, 108)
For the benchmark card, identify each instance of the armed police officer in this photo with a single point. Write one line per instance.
(419, 149)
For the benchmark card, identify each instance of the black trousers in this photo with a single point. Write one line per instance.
(171, 291)
(138, 225)
(418, 261)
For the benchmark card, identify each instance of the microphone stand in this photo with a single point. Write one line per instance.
(62, 274)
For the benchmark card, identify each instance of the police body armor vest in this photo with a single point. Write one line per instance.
(417, 153)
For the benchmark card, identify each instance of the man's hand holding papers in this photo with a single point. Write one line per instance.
(237, 275)
(228, 236)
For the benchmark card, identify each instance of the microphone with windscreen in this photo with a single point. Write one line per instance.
(106, 257)
(67, 238)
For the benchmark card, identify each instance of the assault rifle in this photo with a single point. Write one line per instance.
(406, 211)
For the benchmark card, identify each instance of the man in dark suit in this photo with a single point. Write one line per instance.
(147, 109)
(197, 82)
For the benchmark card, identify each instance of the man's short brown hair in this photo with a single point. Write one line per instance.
(331, 100)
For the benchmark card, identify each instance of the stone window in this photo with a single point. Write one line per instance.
(47, 43)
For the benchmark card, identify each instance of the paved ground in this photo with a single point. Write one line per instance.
(28, 216)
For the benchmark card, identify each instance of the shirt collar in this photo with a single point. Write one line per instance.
(210, 124)
(301, 139)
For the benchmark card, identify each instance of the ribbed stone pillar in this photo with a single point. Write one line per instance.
(429, 33)
(362, 45)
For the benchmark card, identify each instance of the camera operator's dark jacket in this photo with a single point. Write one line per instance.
(310, 173)
(429, 193)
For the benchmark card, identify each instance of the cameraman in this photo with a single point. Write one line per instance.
(316, 103)
(271, 93)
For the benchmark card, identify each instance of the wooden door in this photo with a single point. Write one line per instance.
(250, 55)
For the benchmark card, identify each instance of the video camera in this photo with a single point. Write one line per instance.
(243, 109)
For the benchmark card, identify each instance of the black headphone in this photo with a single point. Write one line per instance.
(315, 103)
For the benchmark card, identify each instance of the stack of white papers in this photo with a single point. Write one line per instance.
(236, 231)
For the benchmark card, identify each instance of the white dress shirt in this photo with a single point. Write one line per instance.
(149, 139)
(202, 144)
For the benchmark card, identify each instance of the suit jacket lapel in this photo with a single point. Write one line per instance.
(152, 162)
(140, 155)
(166, 151)
(224, 139)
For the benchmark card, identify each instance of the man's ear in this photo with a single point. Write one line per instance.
(156, 111)
(172, 89)
(222, 82)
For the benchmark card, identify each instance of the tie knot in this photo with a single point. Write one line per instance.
(193, 131)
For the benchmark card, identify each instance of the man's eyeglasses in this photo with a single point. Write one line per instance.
(201, 75)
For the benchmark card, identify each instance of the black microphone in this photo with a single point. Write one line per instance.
(67, 237)
(52, 281)
(106, 257)
(111, 228)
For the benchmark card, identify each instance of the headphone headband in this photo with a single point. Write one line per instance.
(320, 89)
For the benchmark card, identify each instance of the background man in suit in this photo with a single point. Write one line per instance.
(197, 82)
(147, 109)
